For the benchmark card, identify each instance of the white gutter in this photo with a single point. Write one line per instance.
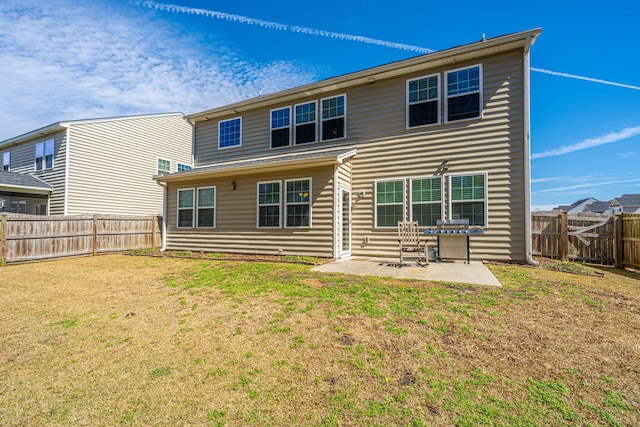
(527, 154)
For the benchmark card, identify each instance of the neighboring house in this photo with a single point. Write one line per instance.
(328, 169)
(576, 207)
(627, 203)
(603, 208)
(103, 166)
(22, 193)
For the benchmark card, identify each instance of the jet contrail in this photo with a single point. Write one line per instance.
(589, 79)
(281, 27)
(591, 142)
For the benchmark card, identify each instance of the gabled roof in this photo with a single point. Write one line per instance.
(627, 200)
(598, 207)
(23, 183)
(58, 126)
(416, 64)
(566, 208)
(277, 162)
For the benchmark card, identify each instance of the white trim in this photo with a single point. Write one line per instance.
(411, 179)
(65, 203)
(527, 153)
(437, 99)
(258, 205)
(344, 254)
(336, 203)
(214, 207)
(315, 123)
(480, 91)
(322, 120)
(240, 136)
(310, 202)
(271, 128)
(189, 166)
(178, 208)
(486, 195)
(158, 166)
(375, 201)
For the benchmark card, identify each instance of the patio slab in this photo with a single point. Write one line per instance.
(475, 273)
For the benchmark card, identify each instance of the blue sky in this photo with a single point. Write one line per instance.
(68, 60)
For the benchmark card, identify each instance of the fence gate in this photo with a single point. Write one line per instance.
(591, 239)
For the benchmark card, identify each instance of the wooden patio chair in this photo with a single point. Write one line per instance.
(409, 241)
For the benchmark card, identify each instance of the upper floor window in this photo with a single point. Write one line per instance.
(184, 167)
(389, 203)
(269, 204)
(230, 133)
(280, 127)
(468, 198)
(207, 207)
(423, 101)
(298, 203)
(333, 117)
(6, 161)
(164, 167)
(44, 155)
(305, 122)
(464, 93)
(426, 200)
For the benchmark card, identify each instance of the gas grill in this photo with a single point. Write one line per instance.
(453, 238)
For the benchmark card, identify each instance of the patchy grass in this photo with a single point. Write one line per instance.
(164, 341)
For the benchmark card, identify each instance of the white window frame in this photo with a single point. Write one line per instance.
(479, 91)
(437, 100)
(287, 204)
(323, 120)
(6, 161)
(158, 172)
(441, 202)
(239, 136)
(315, 123)
(178, 208)
(271, 128)
(485, 200)
(198, 207)
(375, 201)
(259, 205)
(47, 149)
(184, 166)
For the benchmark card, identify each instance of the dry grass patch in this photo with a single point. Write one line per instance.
(155, 341)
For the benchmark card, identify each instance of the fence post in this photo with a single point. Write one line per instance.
(95, 235)
(3, 240)
(564, 237)
(618, 241)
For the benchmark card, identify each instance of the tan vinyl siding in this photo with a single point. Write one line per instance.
(23, 161)
(344, 174)
(236, 218)
(111, 163)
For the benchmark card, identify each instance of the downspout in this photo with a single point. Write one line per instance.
(336, 248)
(65, 203)
(193, 142)
(164, 216)
(527, 153)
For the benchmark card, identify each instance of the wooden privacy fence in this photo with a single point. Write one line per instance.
(31, 238)
(602, 239)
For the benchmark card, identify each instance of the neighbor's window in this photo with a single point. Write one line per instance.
(333, 117)
(389, 203)
(40, 209)
(306, 122)
(269, 204)
(185, 207)
(298, 203)
(183, 167)
(230, 133)
(280, 127)
(6, 161)
(468, 198)
(423, 106)
(207, 207)
(464, 90)
(164, 167)
(44, 155)
(426, 200)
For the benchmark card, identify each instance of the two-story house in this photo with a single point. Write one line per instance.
(103, 166)
(329, 168)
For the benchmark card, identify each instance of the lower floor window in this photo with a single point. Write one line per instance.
(389, 203)
(206, 207)
(468, 198)
(426, 200)
(185, 207)
(269, 204)
(298, 203)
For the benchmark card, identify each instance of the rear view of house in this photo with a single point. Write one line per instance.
(98, 166)
(328, 169)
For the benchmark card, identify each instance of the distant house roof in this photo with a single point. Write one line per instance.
(627, 200)
(567, 208)
(15, 182)
(598, 207)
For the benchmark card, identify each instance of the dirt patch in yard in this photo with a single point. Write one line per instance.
(161, 341)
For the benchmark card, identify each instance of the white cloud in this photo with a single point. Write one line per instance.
(627, 155)
(66, 60)
(590, 143)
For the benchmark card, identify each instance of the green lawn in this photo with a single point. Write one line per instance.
(122, 340)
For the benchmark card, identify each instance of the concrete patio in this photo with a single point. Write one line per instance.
(475, 273)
